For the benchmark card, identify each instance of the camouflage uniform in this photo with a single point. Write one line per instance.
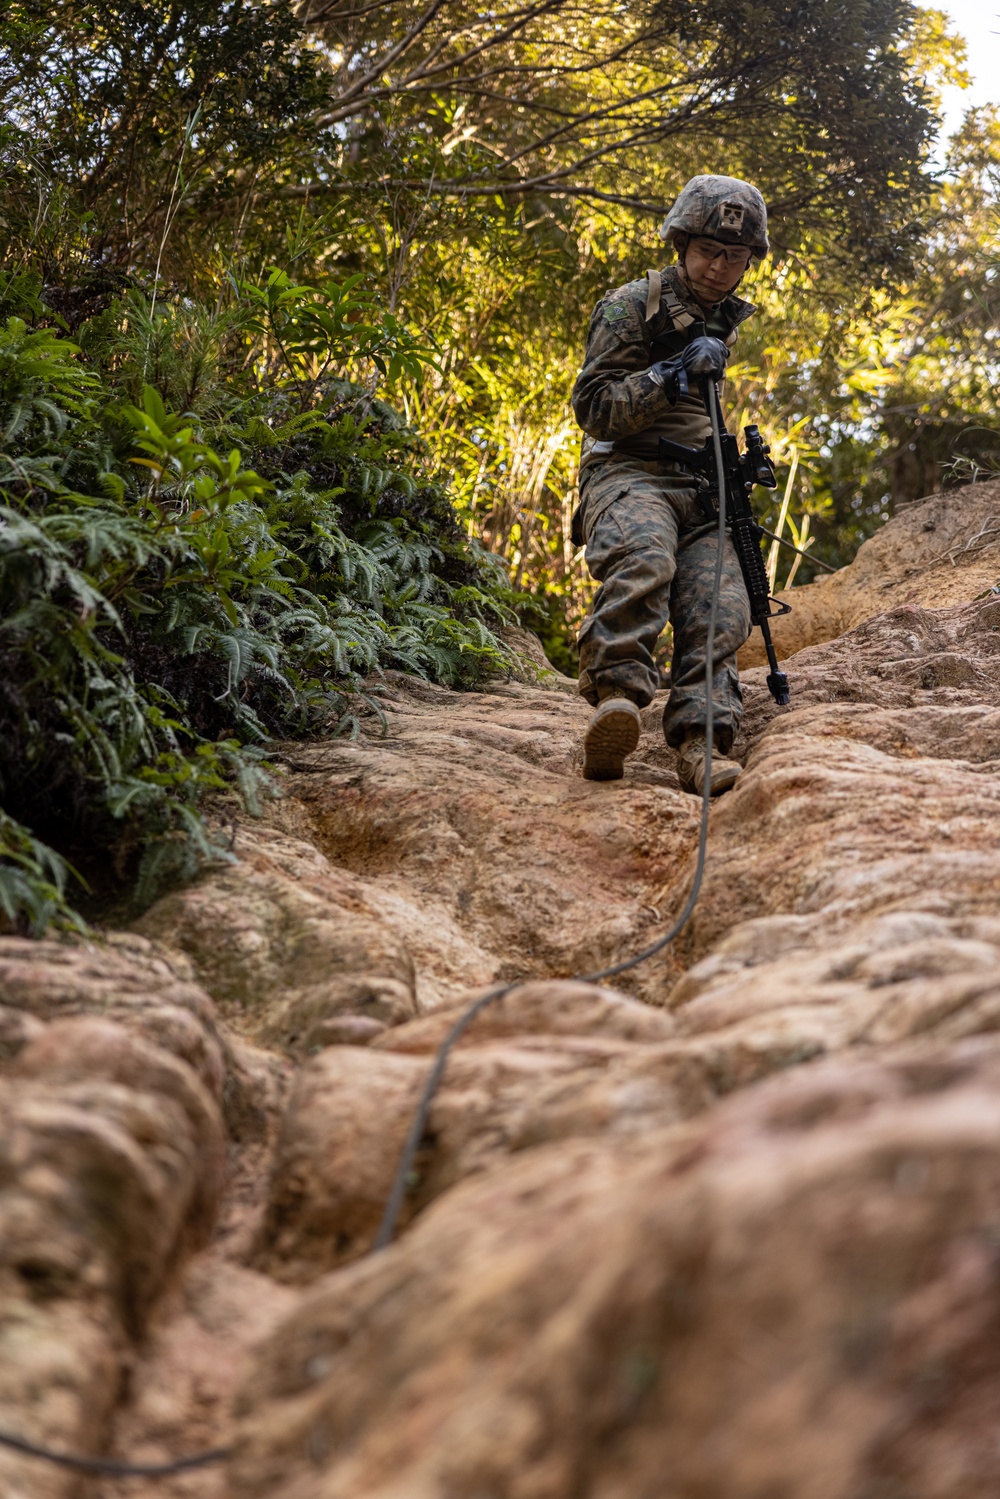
(648, 543)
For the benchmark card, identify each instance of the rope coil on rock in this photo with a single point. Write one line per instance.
(397, 1194)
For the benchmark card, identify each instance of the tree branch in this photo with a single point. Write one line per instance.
(394, 53)
(345, 108)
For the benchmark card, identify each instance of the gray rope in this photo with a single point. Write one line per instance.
(418, 1125)
(109, 1465)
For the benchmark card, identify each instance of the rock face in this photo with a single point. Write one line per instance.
(111, 1164)
(938, 551)
(797, 1294)
(730, 1230)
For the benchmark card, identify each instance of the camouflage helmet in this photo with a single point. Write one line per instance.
(723, 208)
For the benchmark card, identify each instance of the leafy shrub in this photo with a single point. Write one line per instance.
(169, 609)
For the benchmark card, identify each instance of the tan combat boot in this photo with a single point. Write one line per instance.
(612, 733)
(691, 767)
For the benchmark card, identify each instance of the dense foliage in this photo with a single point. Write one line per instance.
(169, 608)
(459, 186)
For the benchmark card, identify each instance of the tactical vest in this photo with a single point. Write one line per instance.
(719, 323)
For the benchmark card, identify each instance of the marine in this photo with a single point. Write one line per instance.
(648, 542)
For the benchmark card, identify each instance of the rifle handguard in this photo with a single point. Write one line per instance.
(742, 472)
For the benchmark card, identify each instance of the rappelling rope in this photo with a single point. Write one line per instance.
(108, 1465)
(415, 1135)
(402, 1178)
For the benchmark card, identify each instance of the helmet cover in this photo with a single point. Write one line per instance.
(722, 208)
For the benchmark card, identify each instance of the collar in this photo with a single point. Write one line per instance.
(735, 309)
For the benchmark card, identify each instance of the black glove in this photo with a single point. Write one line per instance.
(671, 376)
(705, 356)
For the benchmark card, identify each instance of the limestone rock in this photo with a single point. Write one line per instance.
(111, 1166)
(727, 1230)
(787, 1291)
(126, 978)
(534, 666)
(550, 1062)
(849, 810)
(797, 1295)
(936, 552)
(555, 1008)
(473, 809)
(399, 872)
(285, 946)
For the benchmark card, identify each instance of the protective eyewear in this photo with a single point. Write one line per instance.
(711, 250)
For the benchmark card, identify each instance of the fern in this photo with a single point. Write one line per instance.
(33, 882)
(169, 606)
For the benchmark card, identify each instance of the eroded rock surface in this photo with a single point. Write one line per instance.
(934, 552)
(111, 1165)
(797, 1294)
(555, 1060)
(459, 848)
(729, 1229)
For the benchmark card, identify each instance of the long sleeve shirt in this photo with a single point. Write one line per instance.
(614, 398)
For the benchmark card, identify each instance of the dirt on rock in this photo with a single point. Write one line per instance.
(795, 1294)
(937, 551)
(729, 1230)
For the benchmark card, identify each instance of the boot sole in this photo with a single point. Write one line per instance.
(606, 743)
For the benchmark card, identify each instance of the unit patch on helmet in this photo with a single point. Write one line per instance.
(732, 216)
(614, 312)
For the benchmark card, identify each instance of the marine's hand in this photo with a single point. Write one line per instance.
(706, 356)
(671, 376)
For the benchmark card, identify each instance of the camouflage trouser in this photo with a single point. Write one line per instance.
(654, 554)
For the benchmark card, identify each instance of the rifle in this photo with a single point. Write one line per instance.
(741, 471)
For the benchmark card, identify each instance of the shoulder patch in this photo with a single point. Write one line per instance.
(614, 312)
